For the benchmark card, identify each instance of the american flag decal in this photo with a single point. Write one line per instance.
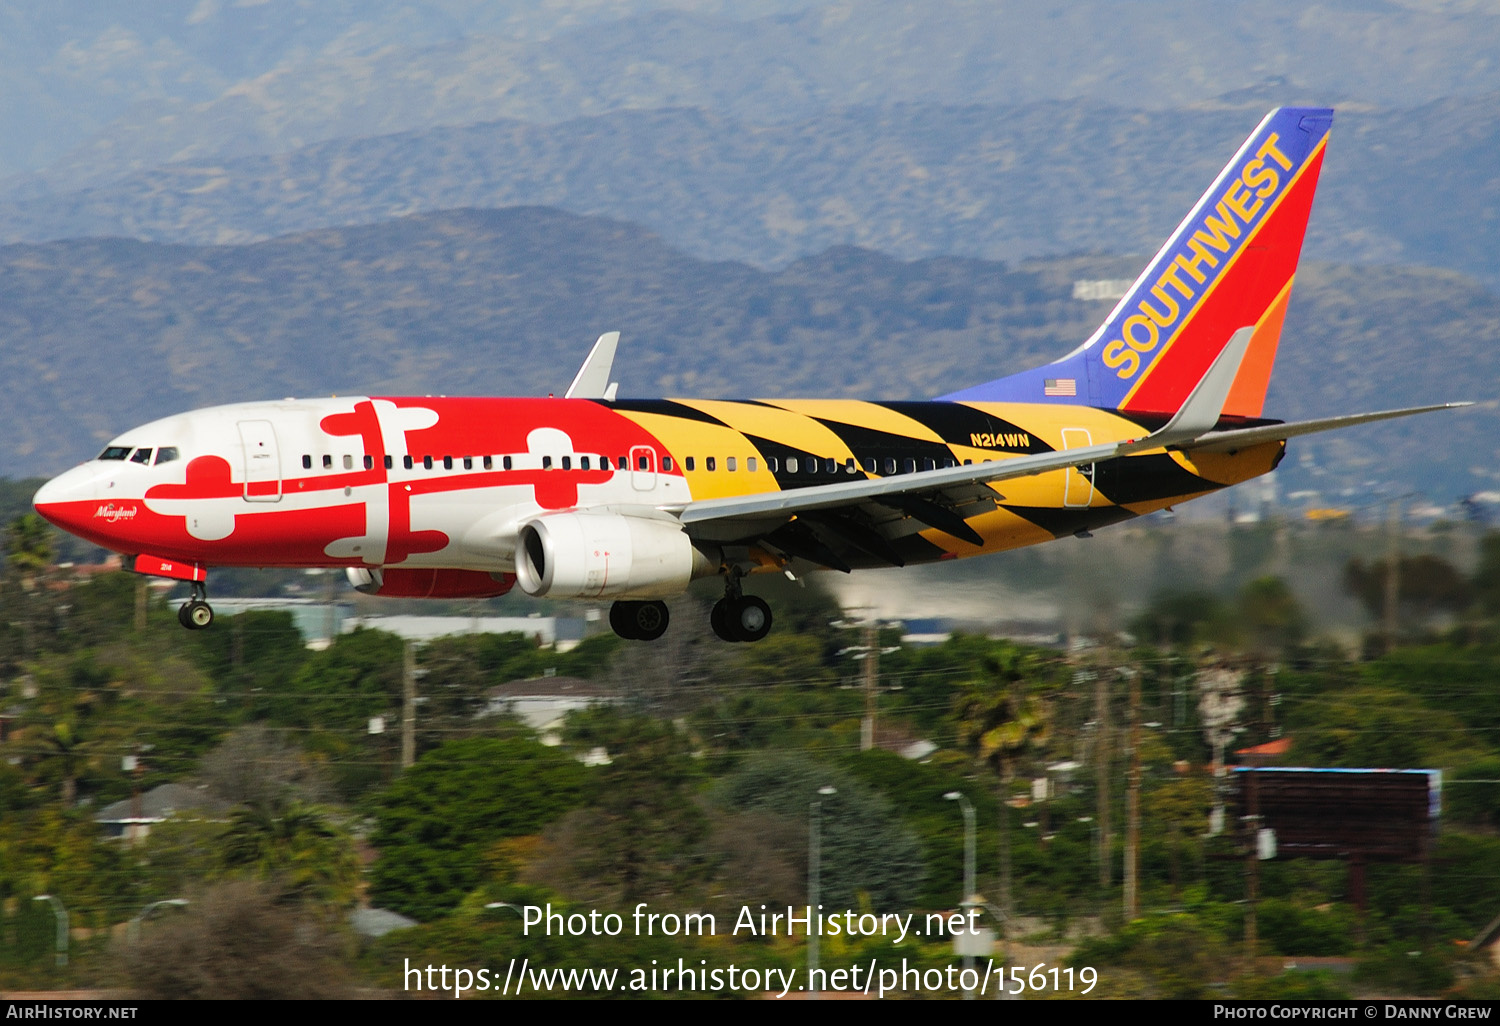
(1060, 386)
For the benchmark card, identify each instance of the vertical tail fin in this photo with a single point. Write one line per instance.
(1229, 265)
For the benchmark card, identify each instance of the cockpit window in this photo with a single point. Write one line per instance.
(115, 452)
(166, 454)
(141, 456)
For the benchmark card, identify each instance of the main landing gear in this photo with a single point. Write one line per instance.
(639, 621)
(735, 617)
(745, 618)
(196, 614)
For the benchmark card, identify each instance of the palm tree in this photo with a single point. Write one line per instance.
(28, 548)
(28, 554)
(998, 722)
(297, 846)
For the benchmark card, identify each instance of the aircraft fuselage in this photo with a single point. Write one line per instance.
(444, 482)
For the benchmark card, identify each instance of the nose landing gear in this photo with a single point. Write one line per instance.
(196, 614)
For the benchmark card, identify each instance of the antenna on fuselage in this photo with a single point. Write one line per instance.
(593, 379)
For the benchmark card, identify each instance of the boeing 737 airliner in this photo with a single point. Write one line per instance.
(589, 496)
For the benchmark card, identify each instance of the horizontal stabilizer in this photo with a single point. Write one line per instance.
(1233, 441)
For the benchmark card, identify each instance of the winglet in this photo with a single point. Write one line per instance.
(1203, 406)
(593, 381)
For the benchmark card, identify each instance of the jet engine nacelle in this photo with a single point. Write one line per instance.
(405, 583)
(595, 555)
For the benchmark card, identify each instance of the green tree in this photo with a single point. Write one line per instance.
(297, 849)
(1177, 618)
(438, 825)
(1486, 579)
(238, 940)
(28, 554)
(28, 548)
(1271, 616)
(867, 849)
(1426, 585)
(998, 722)
(640, 835)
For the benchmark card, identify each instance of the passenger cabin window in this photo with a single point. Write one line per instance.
(306, 462)
(729, 464)
(791, 464)
(406, 462)
(468, 463)
(166, 454)
(583, 463)
(141, 456)
(115, 452)
(750, 464)
(666, 465)
(688, 463)
(710, 463)
(644, 462)
(890, 465)
(426, 462)
(567, 462)
(546, 462)
(772, 464)
(489, 463)
(327, 462)
(369, 462)
(909, 466)
(390, 462)
(622, 462)
(506, 463)
(447, 462)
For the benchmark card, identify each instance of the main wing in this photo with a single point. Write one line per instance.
(944, 498)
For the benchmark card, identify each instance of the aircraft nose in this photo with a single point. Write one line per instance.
(68, 496)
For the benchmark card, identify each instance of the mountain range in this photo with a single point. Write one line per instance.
(109, 333)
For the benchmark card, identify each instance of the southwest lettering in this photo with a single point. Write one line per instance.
(1118, 355)
(1191, 268)
(1158, 310)
(1268, 149)
(1218, 233)
(1257, 174)
(1237, 196)
(1163, 320)
(1146, 344)
(1201, 255)
(1169, 277)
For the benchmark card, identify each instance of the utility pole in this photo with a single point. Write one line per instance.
(1392, 574)
(1101, 771)
(1133, 800)
(872, 678)
(867, 650)
(1252, 869)
(409, 705)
